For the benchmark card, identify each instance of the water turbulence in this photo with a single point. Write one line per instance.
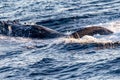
(88, 57)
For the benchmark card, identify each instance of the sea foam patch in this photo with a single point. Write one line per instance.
(86, 39)
(114, 26)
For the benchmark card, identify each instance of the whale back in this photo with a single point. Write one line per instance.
(14, 28)
(91, 31)
(44, 32)
(11, 28)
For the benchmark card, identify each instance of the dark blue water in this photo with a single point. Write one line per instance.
(60, 58)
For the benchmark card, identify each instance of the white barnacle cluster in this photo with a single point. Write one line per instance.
(9, 30)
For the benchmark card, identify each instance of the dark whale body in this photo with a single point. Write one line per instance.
(14, 28)
(91, 31)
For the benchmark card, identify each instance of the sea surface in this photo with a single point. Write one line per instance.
(61, 58)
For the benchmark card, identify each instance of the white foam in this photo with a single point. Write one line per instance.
(85, 39)
(114, 26)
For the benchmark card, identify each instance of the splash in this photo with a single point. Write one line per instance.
(114, 26)
(89, 42)
(86, 39)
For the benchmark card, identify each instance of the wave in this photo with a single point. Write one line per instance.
(53, 22)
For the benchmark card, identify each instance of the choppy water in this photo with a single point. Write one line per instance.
(59, 59)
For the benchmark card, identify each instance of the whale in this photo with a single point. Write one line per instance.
(91, 31)
(17, 29)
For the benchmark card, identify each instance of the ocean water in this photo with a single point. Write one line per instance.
(61, 58)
